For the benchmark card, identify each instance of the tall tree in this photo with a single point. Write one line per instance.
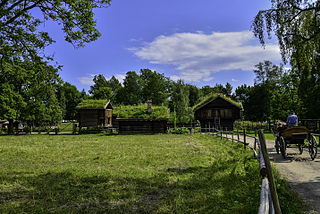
(69, 97)
(22, 57)
(132, 91)
(100, 90)
(194, 94)
(180, 100)
(267, 78)
(19, 28)
(296, 25)
(25, 89)
(114, 84)
(154, 87)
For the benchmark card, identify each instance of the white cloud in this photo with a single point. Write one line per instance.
(86, 80)
(234, 80)
(199, 55)
(120, 77)
(89, 80)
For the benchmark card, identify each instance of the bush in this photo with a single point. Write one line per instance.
(179, 131)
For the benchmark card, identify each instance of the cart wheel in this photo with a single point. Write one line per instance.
(283, 147)
(300, 148)
(312, 147)
(276, 145)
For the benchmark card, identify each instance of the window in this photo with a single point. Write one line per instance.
(226, 113)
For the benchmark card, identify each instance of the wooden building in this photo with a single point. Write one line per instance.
(95, 113)
(142, 126)
(217, 111)
(141, 119)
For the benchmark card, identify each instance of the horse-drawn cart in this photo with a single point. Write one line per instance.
(295, 135)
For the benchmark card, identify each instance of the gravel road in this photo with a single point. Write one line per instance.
(302, 173)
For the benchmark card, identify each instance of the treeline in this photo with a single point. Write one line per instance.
(277, 90)
(42, 98)
(147, 85)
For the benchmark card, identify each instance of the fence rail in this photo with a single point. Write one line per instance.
(269, 202)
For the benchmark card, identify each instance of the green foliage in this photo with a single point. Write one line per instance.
(296, 24)
(250, 126)
(100, 90)
(132, 91)
(140, 111)
(217, 89)
(213, 96)
(31, 83)
(194, 94)
(69, 98)
(154, 87)
(181, 130)
(180, 102)
(28, 92)
(92, 104)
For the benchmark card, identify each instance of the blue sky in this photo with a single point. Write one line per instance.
(203, 42)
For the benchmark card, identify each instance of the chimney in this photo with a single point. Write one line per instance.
(149, 110)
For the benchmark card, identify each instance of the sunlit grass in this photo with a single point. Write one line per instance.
(127, 174)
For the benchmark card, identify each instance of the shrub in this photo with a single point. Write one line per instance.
(182, 130)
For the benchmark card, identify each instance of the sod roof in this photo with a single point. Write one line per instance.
(140, 111)
(211, 97)
(93, 104)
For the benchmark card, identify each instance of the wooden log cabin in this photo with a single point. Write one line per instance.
(141, 119)
(217, 111)
(95, 113)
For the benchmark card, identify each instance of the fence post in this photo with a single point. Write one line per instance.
(273, 189)
(221, 133)
(238, 134)
(255, 139)
(226, 133)
(232, 135)
(244, 138)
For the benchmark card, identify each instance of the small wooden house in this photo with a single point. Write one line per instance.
(217, 111)
(95, 113)
(141, 120)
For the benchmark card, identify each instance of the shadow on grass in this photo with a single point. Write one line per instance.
(219, 188)
(227, 186)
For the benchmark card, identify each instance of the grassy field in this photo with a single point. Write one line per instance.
(130, 174)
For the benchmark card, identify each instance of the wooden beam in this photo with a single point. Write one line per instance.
(273, 190)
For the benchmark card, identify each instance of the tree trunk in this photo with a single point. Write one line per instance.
(10, 126)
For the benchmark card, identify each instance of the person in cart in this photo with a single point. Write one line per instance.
(292, 119)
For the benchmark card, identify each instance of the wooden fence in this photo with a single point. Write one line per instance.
(269, 202)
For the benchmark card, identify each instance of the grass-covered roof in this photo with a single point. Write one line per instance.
(92, 104)
(140, 111)
(214, 96)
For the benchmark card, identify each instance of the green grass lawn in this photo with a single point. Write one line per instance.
(130, 174)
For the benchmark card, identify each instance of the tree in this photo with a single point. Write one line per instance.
(114, 84)
(194, 94)
(29, 80)
(267, 78)
(297, 27)
(100, 90)
(206, 90)
(27, 91)
(69, 97)
(18, 26)
(180, 101)
(132, 91)
(154, 87)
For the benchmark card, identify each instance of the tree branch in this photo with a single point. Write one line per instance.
(3, 3)
(21, 11)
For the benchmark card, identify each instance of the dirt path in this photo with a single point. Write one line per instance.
(302, 173)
